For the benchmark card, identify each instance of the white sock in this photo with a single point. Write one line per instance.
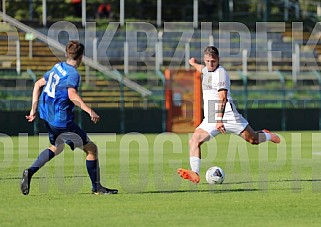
(267, 137)
(195, 163)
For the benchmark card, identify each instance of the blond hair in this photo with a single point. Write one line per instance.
(211, 51)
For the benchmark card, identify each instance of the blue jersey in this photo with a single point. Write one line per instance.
(55, 107)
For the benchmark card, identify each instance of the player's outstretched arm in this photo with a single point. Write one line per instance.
(197, 66)
(78, 101)
(35, 97)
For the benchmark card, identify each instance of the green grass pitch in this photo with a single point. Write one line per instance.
(265, 185)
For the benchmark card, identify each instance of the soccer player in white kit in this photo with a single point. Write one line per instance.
(220, 114)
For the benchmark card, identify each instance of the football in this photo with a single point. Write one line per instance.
(215, 175)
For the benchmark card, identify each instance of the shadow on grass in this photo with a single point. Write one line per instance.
(200, 190)
(214, 189)
(203, 183)
(253, 186)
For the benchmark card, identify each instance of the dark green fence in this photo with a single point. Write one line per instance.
(150, 120)
(135, 120)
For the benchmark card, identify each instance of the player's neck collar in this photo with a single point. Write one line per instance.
(214, 69)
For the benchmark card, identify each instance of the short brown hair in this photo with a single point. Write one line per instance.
(74, 49)
(211, 50)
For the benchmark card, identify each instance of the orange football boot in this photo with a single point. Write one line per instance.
(189, 175)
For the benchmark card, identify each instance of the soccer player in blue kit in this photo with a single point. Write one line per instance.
(56, 95)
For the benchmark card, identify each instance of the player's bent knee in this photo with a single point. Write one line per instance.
(194, 142)
(57, 149)
(91, 149)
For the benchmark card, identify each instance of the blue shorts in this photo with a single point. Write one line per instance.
(72, 135)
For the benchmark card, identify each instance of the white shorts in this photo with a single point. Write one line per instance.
(233, 123)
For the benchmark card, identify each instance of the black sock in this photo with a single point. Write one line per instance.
(44, 157)
(93, 171)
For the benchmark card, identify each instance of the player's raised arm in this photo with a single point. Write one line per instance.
(78, 101)
(197, 66)
(35, 97)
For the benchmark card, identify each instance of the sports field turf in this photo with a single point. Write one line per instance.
(265, 185)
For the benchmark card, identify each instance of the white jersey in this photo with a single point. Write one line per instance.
(212, 83)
